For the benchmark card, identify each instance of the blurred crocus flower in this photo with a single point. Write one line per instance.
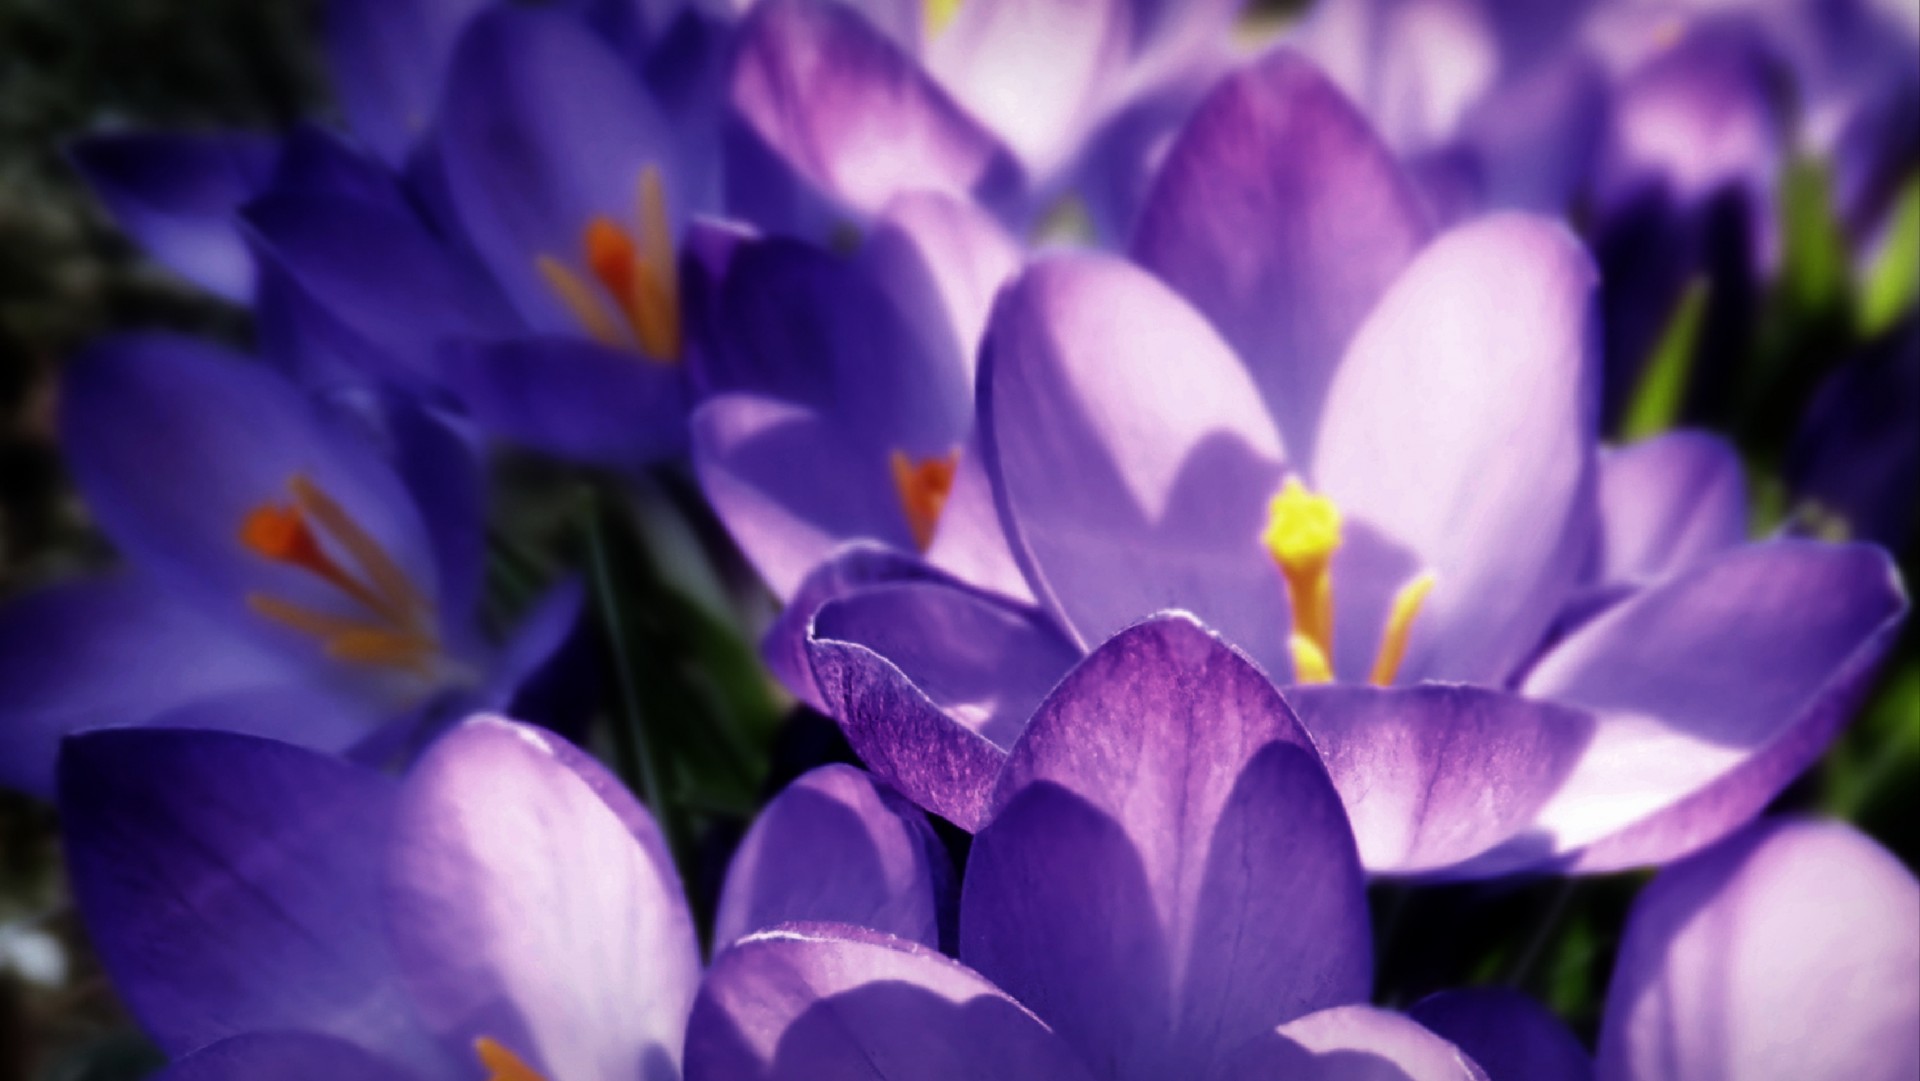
(839, 395)
(292, 571)
(1167, 887)
(506, 910)
(1368, 460)
(1790, 950)
(838, 108)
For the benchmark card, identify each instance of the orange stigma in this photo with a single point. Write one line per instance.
(395, 627)
(924, 487)
(502, 1064)
(630, 297)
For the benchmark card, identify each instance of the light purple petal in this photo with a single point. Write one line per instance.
(1434, 775)
(121, 651)
(937, 252)
(1713, 690)
(1507, 1034)
(854, 566)
(531, 903)
(1280, 215)
(1033, 71)
(816, 1001)
(1130, 455)
(837, 847)
(1354, 1043)
(1667, 502)
(180, 196)
(932, 683)
(1792, 950)
(232, 884)
(846, 110)
(1461, 425)
(1219, 892)
(792, 485)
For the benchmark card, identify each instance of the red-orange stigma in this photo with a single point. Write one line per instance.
(281, 534)
(924, 486)
(611, 255)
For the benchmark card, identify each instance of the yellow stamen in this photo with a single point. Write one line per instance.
(924, 487)
(587, 308)
(1302, 535)
(939, 14)
(400, 600)
(502, 1064)
(282, 535)
(654, 304)
(1393, 641)
(1309, 662)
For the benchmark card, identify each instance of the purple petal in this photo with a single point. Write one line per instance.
(1668, 502)
(1130, 455)
(1790, 951)
(1435, 775)
(1218, 886)
(380, 273)
(942, 256)
(531, 903)
(856, 565)
(840, 106)
(1033, 71)
(932, 683)
(1461, 425)
(175, 443)
(792, 485)
(1353, 1043)
(1713, 690)
(835, 847)
(387, 59)
(120, 651)
(1508, 1035)
(542, 129)
(1282, 218)
(232, 883)
(180, 196)
(571, 398)
(283, 1056)
(1854, 452)
(824, 1001)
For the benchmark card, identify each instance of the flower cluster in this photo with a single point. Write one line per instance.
(1204, 483)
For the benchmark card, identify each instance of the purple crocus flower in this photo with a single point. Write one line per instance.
(839, 108)
(504, 911)
(839, 395)
(1166, 887)
(1367, 458)
(1790, 950)
(285, 576)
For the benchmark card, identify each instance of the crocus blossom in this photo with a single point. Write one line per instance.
(285, 576)
(506, 910)
(839, 108)
(1166, 887)
(1366, 457)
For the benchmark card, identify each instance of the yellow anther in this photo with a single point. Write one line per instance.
(502, 1064)
(1393, 641)
(1302, 534)
(939, 14)
(1310, 663)
(585, 305)
(654, 304)
(924, 486)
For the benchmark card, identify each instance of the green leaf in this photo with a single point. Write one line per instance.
(1655, 405)
(1893, 282)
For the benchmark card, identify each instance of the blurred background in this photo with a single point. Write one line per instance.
(66, 275)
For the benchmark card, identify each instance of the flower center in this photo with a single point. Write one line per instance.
(502, 1064)
(924, 485)
(629, 297)
(1302, 535)
(395, 624)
